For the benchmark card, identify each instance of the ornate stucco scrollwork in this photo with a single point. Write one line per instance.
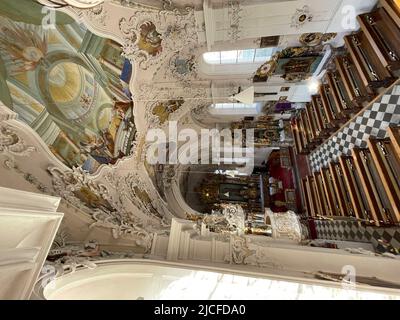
(97, 14)
(66, 257)
(6, 113)
(166, 103)
(235, 216)
(230, 221)
(239, 250)
(234, 12)
(160, 111)
(200, 111)
(285, 225)
(10, 164)
(122, 228)
(169, 175)
(183, 66)
(76, 187)
(154, 93)
(243, 251)
(150, 35)
(12, 143)
(136, 190)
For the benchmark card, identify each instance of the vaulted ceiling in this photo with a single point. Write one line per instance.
(87, 92)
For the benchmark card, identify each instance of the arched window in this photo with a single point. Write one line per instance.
(239, 56)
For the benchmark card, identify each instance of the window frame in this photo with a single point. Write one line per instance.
(255, 59)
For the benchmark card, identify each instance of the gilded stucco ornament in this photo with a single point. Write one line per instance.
(79, 189)
(315, 38)
(149, 36)
(142, 195)
(166, 103)
(301, 17)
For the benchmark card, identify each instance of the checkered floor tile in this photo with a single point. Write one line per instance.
(374, 121)
(351, 231)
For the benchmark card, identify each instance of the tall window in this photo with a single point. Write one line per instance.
(235, 109)
(239, 56)
(234, 106)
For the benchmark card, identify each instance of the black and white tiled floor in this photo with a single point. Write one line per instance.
(351, 231)
(374, 121)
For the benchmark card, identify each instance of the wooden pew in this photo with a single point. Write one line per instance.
(381, 210)
(315, 133)
(353, 183)
(330, 191)
(394, 135)
(299, 145)
(304, 130)
(372, 72)
(388, 167)
(297, 148)
(383, 36)
(310, 131)
(342, 101)
(324, 125)
(330, 109)
(307, 204)
(321, 196)
(312, 196)
(351, 80)
(320, 121)
(393, 10)
(343, 199)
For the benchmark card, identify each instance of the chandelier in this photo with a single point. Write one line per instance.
(80, 4)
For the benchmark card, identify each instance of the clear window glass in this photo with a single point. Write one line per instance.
(246, 56)
(239, 56)
(234, 106)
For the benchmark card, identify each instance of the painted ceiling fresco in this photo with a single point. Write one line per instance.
(69, 85)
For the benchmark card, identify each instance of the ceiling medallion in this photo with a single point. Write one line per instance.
(301, 16)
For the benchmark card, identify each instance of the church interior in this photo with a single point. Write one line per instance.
(120, 172)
